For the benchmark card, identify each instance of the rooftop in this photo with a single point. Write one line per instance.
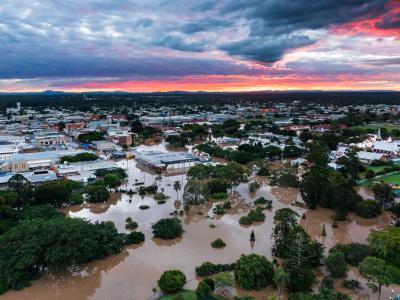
(159, 158)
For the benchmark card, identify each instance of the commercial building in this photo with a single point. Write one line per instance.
(178, 161)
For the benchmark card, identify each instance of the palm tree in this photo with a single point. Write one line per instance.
(280, 278)
(177, 187)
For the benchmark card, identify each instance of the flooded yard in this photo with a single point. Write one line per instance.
(133, 273)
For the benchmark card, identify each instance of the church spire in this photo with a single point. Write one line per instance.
(379, 136)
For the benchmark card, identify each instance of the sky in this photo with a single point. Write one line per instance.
(199, 45)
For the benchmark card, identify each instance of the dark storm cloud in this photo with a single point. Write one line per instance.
(268, 49)
(278, 17)
(275, 24)
(208, 24)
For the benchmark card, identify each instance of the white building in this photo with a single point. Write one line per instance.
(391, 148)
(369, 157)
(7, 150)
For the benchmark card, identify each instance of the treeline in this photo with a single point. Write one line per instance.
(79, 101)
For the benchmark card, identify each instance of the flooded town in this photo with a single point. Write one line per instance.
(222, 174)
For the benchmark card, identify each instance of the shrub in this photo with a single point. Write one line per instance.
(253, 272)
(253, 186)
(135, 237)
(203, 290)
(245, 220)
(327, 282)
(219, 210)
(172, 281)
(262, 200)
(227, 205)
(161, 202)
(218, 243)
(143, 207)
(210, 283)
(367, 209)
(130, 224)
(245, 297)
(208, 268)
(351, 284)
(167, 229)
(263, 171)
(336, 264)
(160, 196)
(219, 196)
(256, 215)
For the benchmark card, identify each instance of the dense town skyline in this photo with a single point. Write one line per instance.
(145, 46)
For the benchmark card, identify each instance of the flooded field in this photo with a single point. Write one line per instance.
(133, 273)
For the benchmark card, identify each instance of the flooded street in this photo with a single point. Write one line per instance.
(133, 273)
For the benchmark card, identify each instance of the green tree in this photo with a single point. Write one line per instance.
(203, 291)
(318, 154)
(376, 272)
(384, 194)
(97, 193)
(172, 281)
(281, 279)
(396, 215)
(112, 181)
(253, 272)
(235, 174)
(302, 255)
(52, 244)
(167, 229)
(195, 192)
(177, 187)
(285, 219)
(350, 165)
(336, 264)
(56, 192)
(387, 244)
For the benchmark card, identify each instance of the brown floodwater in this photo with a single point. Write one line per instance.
(133, 273)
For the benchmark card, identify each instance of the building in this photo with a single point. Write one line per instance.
(391, 148)
(50, 138)
(23, 162)
(369, 157)
(83, 171)
(7, 150)
(14, 110)
(105, 146)
(178, 161)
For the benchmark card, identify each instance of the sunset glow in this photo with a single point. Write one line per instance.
(145, 46)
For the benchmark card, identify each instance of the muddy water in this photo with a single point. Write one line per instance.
(133, 273)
